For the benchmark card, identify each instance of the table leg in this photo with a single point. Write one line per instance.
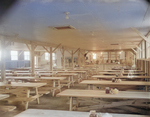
(37, 93)
(54, 85)
(71, 103)
(72, 80)
(59, 85)
(77, 102)
(28, 95)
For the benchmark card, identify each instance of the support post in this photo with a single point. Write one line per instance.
(32, 61)
(63, 58)
(51, 59)
(79, 59)
(3, 60)
(72, 60)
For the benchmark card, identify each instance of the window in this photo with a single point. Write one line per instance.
(46, 56)
(53, 56)
(26, 55)
(94, 56)
(14, 55)
(35, 60)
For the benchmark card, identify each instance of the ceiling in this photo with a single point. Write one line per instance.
(97, 23)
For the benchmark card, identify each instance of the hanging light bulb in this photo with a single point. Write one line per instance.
(67, 13)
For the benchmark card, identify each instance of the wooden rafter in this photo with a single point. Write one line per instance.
(141, 35)
(76, 50)
(56, 47)
(42, 53)
(28, 47)
(68, 51)
(46, 49)
(134, 50)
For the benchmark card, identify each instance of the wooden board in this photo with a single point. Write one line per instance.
(3, 96)
(120, 70)
(53, 78)
(113, 76)
(67, 74)
(102, 94)
(58, 113)
(100, 82)
(30, 85)
(114, 73)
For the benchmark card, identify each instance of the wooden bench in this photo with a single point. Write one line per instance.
(4, 108)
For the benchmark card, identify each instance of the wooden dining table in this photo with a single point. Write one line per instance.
(62, 113)
(121, 77)
(91, 83)
(28, 86)
(114, 73)
(76, 93)
(120, 70)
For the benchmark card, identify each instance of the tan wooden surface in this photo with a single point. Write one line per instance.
(114, 73)
(20, 78)
(102, 94)
(3, 96)
(100, 82)
(113, 76)
(67, 74)
(53, 78)
(59, 113)
(29, 85)
(120, 70)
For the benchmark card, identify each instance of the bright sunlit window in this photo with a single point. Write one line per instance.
(94, 56)
(14, 55)
(53, 56)
(46, 56)
(26, 55)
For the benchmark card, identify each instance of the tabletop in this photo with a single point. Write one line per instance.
(58, 113)
(53, 78)
(102, 94)
(113, 76)
(120, 70)
(67, 74)
(137, 73)
(3, 96)
(28, 85)
(101, 82)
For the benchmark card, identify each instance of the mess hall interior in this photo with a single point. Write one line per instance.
(75, 58)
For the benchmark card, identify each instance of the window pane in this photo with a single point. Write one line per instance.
(26, 55)
(14, 55)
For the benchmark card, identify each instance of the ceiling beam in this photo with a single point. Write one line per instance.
(76, 51)
(28, 47)
(46, 49)
(141, 35)
(134, 50)
(56, 47)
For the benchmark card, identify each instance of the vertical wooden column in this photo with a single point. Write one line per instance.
(63, 58)
(79, 59)
(32, 61)
(51, 59)
(72, 59)
(145, 50)
(3, 60)
(108, 57)
(83, 59)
